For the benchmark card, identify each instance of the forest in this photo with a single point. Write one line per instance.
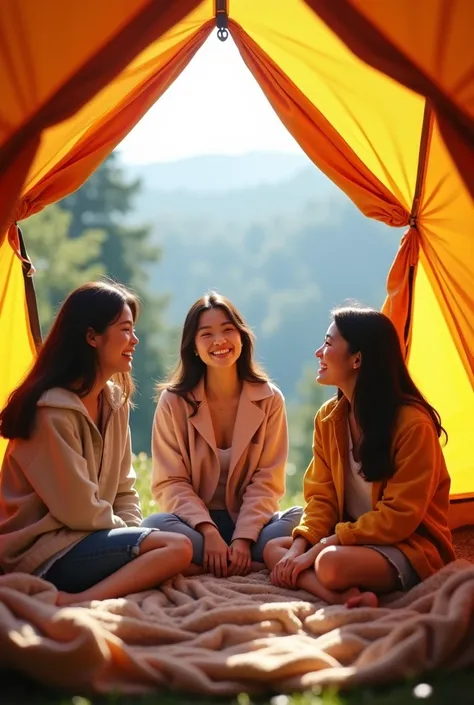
(267, 230)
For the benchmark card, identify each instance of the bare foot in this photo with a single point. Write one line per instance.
(193, 570)
(66, 598)
(255, 566)
(363, 599)
(344, 597)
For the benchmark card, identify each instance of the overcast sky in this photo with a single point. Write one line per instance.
(201, 114)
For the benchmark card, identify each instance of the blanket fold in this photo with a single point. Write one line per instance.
(222, 637)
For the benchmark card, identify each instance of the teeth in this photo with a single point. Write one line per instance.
(221, 352)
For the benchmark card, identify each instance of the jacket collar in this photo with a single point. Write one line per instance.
(339, 410)
(61, 398)
(338, 417)
(254, 391)
(248, 420)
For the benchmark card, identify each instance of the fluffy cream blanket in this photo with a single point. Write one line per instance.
(206, 635)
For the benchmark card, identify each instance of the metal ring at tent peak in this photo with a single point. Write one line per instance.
(222, 20)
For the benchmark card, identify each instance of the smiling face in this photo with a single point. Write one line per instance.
(338, 367)
(116, 345)
(218, 342)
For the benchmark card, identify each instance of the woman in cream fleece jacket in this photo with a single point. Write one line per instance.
(68, 508)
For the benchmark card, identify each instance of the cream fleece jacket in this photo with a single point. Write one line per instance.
(66, 481)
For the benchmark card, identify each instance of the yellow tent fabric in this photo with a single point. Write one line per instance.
(54, 59)
(419, 45)
(14, 326)
(377, 139)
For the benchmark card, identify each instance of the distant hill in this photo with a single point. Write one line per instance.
(249, 187)
(250, 203)
(220, 173)
(285, 251)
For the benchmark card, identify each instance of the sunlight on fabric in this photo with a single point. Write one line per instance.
(377, 117)
(14, 328)
(447, 227)
(436, 367)
(59, 140)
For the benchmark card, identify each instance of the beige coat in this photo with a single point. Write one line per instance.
(186, 466)
(66, 480)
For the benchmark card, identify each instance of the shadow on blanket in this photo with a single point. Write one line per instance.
(206, 635)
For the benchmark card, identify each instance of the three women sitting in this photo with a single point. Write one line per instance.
(376, 491)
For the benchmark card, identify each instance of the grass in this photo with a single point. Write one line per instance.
(440, 689)
(437, 689)
(142, 465)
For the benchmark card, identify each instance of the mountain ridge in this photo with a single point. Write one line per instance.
(221, 172)
(285, 253)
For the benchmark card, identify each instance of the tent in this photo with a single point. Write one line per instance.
(380, 95)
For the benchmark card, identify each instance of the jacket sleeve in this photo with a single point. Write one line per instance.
(407, 494)
(127, 502)
(58, 473)
(267, 486)
(171, 483)
(321, 510)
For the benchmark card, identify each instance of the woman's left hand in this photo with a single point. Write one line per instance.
(330, 541)
(239, 557)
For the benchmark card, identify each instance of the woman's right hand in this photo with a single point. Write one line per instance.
(216, 551)
(295, 561)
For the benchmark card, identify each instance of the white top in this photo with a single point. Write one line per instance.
(218, 499)
(357, 491)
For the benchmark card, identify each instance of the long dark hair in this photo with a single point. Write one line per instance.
(383, 385)
(65, 358)
(191, 368)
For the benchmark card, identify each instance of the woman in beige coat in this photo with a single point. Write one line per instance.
(220, 446)
(69, 512)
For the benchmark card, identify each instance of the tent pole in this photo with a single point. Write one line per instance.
(425, 138)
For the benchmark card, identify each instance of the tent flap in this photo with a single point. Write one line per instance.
(379, 95)
(427, 46)
(44, 91)
(18, 355)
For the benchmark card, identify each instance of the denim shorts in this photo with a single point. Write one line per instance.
(281, 524)
(406, 574)
(95, 557)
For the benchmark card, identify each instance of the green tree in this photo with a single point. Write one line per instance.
(301, 426)
(61, 264)
(106, 201)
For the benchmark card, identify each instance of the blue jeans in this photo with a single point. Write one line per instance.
(281, 524)
(95, 557)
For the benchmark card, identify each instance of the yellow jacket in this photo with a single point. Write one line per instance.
(409, 510)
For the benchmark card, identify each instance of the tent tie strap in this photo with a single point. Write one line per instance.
(15, 239)
(222, 20)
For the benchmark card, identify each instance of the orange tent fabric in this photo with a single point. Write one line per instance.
(378, 140)
(65, 157)
(55, 59)
(427, 46)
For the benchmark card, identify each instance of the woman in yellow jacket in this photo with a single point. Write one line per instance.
(377, 489)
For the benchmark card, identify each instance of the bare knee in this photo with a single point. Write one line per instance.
(273, 550)
(180, 546)
(179, 543)
(329, 569)
(184, 546)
